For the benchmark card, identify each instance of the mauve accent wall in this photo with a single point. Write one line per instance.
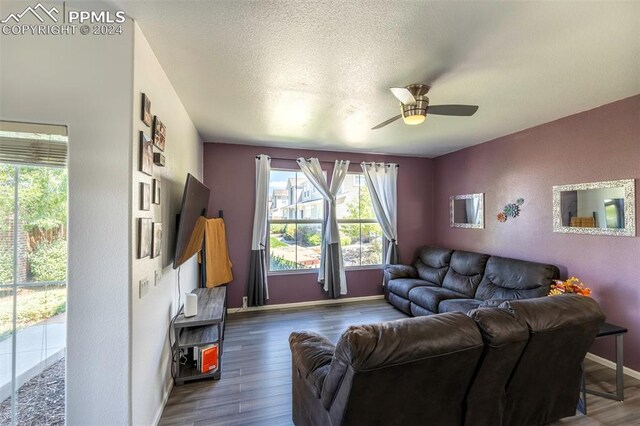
(229, 170)
(596, 145)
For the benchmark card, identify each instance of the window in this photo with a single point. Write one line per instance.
(33, 268)
(296, 217)
(360, 233)
(296, 222)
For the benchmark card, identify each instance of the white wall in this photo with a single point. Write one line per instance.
(85, 82)
(118, 359)
(150, 363)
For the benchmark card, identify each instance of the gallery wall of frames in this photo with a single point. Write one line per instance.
(152, 146)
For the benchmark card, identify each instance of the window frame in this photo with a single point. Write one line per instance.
(322, 223)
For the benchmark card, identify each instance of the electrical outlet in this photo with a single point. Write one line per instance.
(144, 287)
(245, 302)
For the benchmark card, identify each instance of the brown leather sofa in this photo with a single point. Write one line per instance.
(445, 280)
(514, 364)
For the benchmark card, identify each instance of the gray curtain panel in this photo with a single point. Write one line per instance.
(258, 294)
(333, 270)
(258, 290)
(392, 253)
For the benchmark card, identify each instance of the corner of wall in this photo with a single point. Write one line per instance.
(151, 357)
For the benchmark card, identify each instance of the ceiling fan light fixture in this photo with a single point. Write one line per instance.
(415, 114)
(414, 105)
(413, 120)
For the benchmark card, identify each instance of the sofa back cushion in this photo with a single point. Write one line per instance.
(505, 337)
(544, 385)
(465, 272)
(374, 366)
(515, 279)
(433, 263)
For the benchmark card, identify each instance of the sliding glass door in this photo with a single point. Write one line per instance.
(33, 263)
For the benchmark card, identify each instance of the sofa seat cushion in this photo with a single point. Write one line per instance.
(458, 305)
(430, 297)
(402, 286)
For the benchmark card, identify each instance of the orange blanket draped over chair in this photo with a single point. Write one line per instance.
(218, 264)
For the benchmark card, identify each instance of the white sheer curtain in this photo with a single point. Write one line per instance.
(331, 272)
(258, 291)
(382, 181)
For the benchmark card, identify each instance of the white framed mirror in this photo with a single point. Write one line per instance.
(466, 211)
(596, 208)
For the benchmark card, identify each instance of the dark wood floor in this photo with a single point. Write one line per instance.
(255, 387)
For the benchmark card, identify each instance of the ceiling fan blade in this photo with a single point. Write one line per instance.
(457, 110)
(403, 95)
(389, 121)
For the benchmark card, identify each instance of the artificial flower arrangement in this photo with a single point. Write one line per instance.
(572, 285)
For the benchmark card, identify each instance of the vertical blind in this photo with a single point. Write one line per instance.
(33, 144)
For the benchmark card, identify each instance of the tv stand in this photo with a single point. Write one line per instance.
(205, 328)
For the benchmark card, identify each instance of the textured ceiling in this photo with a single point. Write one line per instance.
(316, 74)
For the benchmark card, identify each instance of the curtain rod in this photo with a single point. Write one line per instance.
(293, 159)
(322, 161)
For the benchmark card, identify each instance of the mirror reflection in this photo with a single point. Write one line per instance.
(593, 208)
(466, 211)
(597, 208)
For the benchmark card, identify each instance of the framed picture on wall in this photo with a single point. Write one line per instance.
(144, 237)
(146, 110)
(156, 191)
(159, 133)
(158, 159)
(146, 154)
(156, 248)
(145, 196)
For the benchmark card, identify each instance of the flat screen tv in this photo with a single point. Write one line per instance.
(195, 201)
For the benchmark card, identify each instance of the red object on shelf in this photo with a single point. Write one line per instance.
(209, 359)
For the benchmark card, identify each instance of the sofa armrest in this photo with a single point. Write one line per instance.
(391, 272)
(310, 352)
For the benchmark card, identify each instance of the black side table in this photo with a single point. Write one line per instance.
(608, 329)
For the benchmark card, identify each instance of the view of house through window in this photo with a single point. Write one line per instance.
(360, 234)
(296, 215)
(33, 272)
(296, 222)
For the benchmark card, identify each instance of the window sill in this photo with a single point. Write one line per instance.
(315, 271)
(292, 272)
(362, 268)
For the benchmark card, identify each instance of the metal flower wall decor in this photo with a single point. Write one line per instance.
(510, 210)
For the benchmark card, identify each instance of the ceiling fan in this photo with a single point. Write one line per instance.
(414, 106)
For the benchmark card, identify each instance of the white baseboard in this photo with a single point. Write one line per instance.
(165, 398)
(302, 304)
(610, 364)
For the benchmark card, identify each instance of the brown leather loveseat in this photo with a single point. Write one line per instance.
(519, 363)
